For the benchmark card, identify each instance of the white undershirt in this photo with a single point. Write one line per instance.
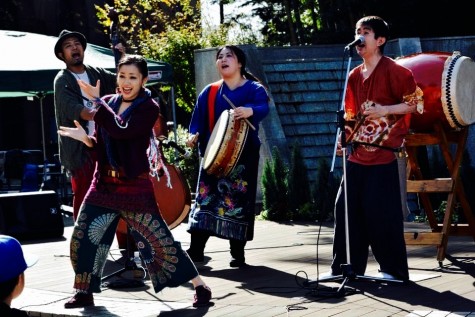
(83, 76)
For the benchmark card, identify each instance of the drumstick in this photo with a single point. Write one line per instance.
(234, 107)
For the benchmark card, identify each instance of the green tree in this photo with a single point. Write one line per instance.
(303, 22)
(326, 188)
(168, 31)
(269, 187)
(274, 188)
(221, 4)
(298, 184)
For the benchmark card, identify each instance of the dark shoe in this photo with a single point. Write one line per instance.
(202, 296)
(80, 300)
(237, 263)
(196, 258)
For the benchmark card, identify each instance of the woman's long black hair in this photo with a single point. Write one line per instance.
(241, 57)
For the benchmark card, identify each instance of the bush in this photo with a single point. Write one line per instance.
(299, 197)
(189, 165)
(286, 194)
(274, 188)
(326, 188)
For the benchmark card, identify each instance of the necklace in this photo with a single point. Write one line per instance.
(121, 126)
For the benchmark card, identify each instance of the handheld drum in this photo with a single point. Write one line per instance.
(174, 202)
(225, 144)
(448, 83)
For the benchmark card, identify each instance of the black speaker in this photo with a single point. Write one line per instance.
(31, 215)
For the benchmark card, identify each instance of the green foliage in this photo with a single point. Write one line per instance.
(298, 184)
(439, 214)
(176, 47)
(189, 166)
(280, 172)
(467, 175)
(326, 188)
(332, 22)
(269, 187)
(286, 193)
(274, 188)
(168, 31)
(306, 212)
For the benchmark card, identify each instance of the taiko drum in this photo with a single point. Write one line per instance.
(448, 83)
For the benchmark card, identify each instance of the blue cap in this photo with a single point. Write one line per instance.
(14, 262)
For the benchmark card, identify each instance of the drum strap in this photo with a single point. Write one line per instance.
(213, 91)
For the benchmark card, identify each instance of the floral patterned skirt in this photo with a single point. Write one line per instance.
(225, 207)
(167, 263)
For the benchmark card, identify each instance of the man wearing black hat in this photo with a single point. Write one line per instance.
(70, 105)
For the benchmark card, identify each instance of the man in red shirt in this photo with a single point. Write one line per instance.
(379, 99)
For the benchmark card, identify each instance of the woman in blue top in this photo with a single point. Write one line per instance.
(224, 205)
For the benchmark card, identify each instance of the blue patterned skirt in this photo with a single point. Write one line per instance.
(225, 207)
(132, 200)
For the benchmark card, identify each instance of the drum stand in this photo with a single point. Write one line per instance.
(452, 186)
(347, 270)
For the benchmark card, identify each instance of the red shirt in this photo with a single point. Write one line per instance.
(388, 84)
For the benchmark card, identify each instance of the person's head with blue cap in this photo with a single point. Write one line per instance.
(13, 265)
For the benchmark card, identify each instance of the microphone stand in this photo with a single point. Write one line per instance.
(129, 265)
(347, 269)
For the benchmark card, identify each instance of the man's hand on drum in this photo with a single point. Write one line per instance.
(192, 140)
(243, 112)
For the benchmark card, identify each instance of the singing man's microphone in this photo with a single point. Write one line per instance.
(358, 41)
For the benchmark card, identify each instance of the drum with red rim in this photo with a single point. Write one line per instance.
(448, 83)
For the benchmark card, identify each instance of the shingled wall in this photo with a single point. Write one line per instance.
(305, 84)
(307, 95)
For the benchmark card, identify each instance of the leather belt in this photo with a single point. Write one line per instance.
(120, 174)
(115, 174)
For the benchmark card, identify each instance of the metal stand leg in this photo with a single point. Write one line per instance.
(128, 266)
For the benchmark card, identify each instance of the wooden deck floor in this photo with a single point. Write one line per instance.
(284, 261)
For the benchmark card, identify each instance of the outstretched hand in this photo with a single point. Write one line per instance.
(92, 92)
(77, 133)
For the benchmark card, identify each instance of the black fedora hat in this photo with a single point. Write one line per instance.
(67, 34)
